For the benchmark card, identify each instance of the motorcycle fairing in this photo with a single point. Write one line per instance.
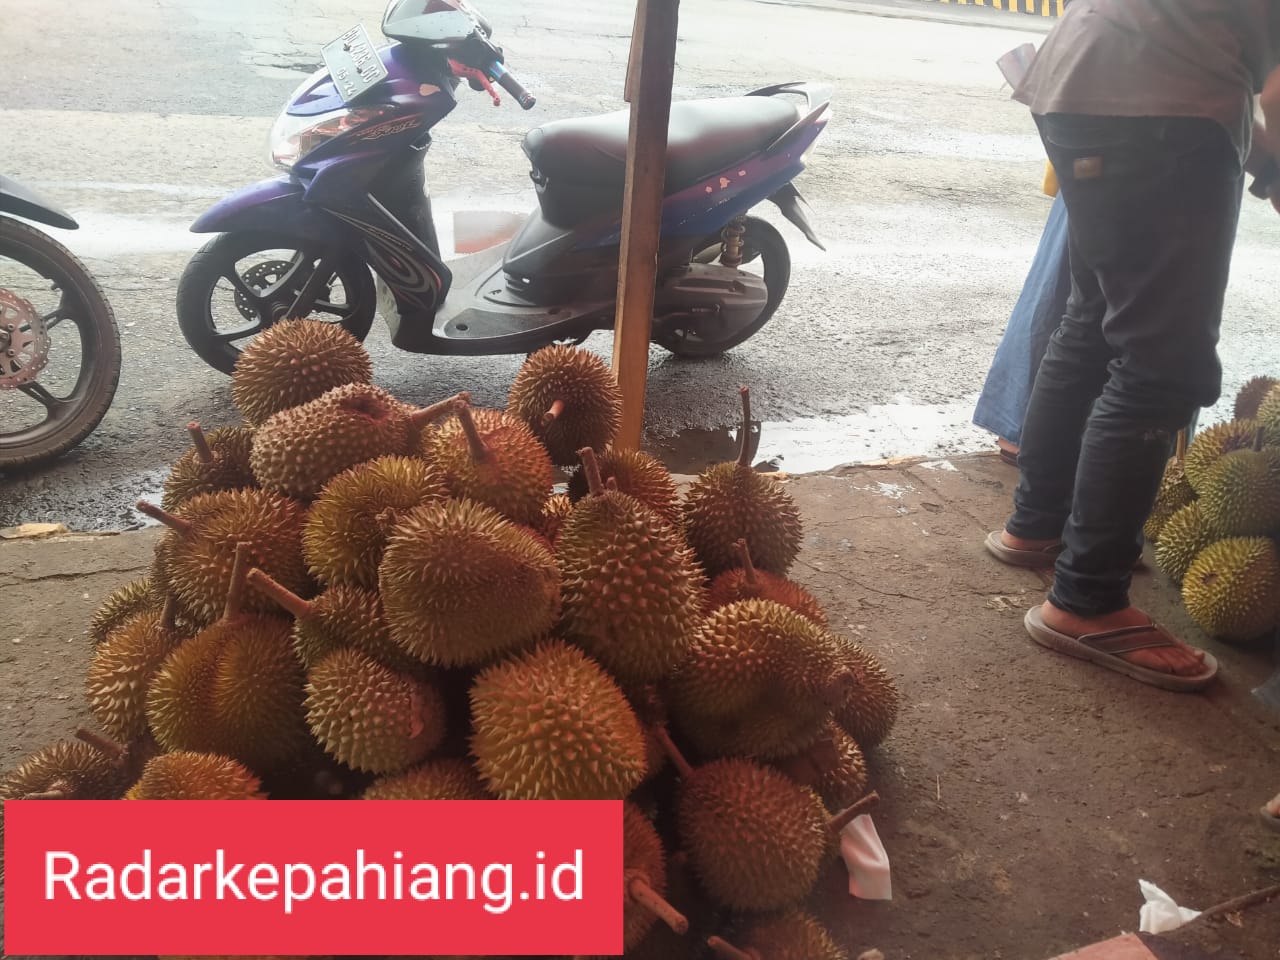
(24, 202)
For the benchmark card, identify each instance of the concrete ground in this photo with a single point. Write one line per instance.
(1024, 795)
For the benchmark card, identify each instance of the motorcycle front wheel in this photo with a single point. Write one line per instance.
(250, 281)
(46, 408)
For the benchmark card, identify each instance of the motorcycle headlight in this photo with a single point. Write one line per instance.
(292, 138)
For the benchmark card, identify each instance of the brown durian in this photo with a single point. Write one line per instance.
(1211, 444)
(638, 475)
(1174, 494)
(448, 778)
(789, 935)
(834, 767)
(65, 770)
(554, 513)
(746, 582)
(217, 461)
(124, 603)
(122, 668)
(185, 775)
(871, 709)
(1250, 396)
(644, 880)
(569, 398)
(1183, 536)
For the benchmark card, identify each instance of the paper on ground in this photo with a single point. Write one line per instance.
(865, 857)
(1160, 914)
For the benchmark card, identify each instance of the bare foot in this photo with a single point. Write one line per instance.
(1180, 660)
(1273, 806)
(1017, 543)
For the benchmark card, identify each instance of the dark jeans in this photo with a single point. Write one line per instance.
(1152, 207)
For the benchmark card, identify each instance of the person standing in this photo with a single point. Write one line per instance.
(1146, 111)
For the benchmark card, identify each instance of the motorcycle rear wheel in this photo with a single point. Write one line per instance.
(70, 419)
(260, 299)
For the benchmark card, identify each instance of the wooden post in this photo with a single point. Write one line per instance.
(649, 78)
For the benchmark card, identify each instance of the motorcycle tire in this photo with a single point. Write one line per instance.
(761, 241)
(79, 414)
(216, 258)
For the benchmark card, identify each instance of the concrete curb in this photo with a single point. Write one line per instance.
(935, 11)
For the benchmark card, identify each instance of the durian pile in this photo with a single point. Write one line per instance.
(357, 598)
(1216, 521)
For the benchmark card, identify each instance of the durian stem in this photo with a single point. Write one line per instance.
(1181, 453)
(202, 445)
(101, 743)
(849, 814)
(591, 467)
(184, 527)
(280, 594)
(643, 894)
(744, 441)
(421, 417)
(557, 408)
(722, 948)
(745, 553)
(169, 613)
(677, 758)
(60, 790)
(239, 576)
(479, 453)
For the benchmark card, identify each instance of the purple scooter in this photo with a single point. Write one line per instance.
(352, 216)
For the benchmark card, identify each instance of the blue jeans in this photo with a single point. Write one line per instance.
(1038, 312)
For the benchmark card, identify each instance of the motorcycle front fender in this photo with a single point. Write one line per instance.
(24, 202)
(274, 205)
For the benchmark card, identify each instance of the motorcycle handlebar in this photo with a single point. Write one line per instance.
(509, 83)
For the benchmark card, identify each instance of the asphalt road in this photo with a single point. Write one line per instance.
(138, 114)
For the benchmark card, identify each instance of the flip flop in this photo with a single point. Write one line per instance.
(1102, 649)
(1022, 558)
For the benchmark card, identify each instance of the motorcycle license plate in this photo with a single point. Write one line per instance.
(353, 63)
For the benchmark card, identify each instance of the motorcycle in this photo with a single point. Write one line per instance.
(352, 198)
(54, 287)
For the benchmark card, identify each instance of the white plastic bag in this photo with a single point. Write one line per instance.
(1160, 913)
(865, 857)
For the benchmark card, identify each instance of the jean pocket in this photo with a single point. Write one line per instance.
(1087, 135)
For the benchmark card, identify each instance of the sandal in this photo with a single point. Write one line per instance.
(1044, 557)
(1104, 648)
(1270, 813)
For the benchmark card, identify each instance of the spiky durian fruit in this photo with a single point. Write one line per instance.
(496, 461)
(1183, 536)
(644, 879)
(235, 688)
(746, 583)
(186, 775)
(633, 593)
(871, 709)
(834, 767)
(1240, 493)
(569, 398)
(730, 501)
(637, 474)
(124, 603)
(121, 671)
(551, 724)
(1175, 491)
(448, 778)
(1214, 442)
(71, 769)
(760, 681)
(1250, 396)
(342, 616)
(755, 838)
(460, 584)
(349, 522)
(195, 557)
(554, 513)
(1269, 416)
(217, 461)
(293, 362)
(1232, 589)
(790, 935)
(370, 717)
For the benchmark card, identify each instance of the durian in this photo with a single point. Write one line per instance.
(65, 770)
(122, 668)
(443, 779)
(790, 935)
(461, 584)
(1240, 493)
(554, 513)
(1183, 536)
(1249, 398)
(551, 724)
(496, 461)
(638, 475)
(1212, 443)
(186, 775)
(218, 461)
(370, 717)
(196, 555)
(293, 362)
(644, 879)
(871, 709)
(569, 398)
(349, 522)
(1269, 416)
(761, 681)
(123, 603)
(745, 582)
(1175, 492)
(1232, 589)
(632, 590)
(834, 767)
(731, 501)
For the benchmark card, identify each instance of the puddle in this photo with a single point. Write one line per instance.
(900, 429)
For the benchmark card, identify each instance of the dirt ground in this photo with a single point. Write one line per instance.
(1024, 794)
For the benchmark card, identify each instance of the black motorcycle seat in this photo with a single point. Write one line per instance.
(704, 137)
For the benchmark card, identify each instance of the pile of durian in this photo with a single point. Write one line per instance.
(357, 598)
(1216, 522)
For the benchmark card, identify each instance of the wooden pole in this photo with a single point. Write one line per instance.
(649, 85)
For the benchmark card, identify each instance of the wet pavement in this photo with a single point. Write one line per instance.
(924, 189)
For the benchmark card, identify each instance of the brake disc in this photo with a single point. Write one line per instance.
(24, 341)
(270, 271)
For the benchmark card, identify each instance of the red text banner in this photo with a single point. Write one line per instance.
(389, 877)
